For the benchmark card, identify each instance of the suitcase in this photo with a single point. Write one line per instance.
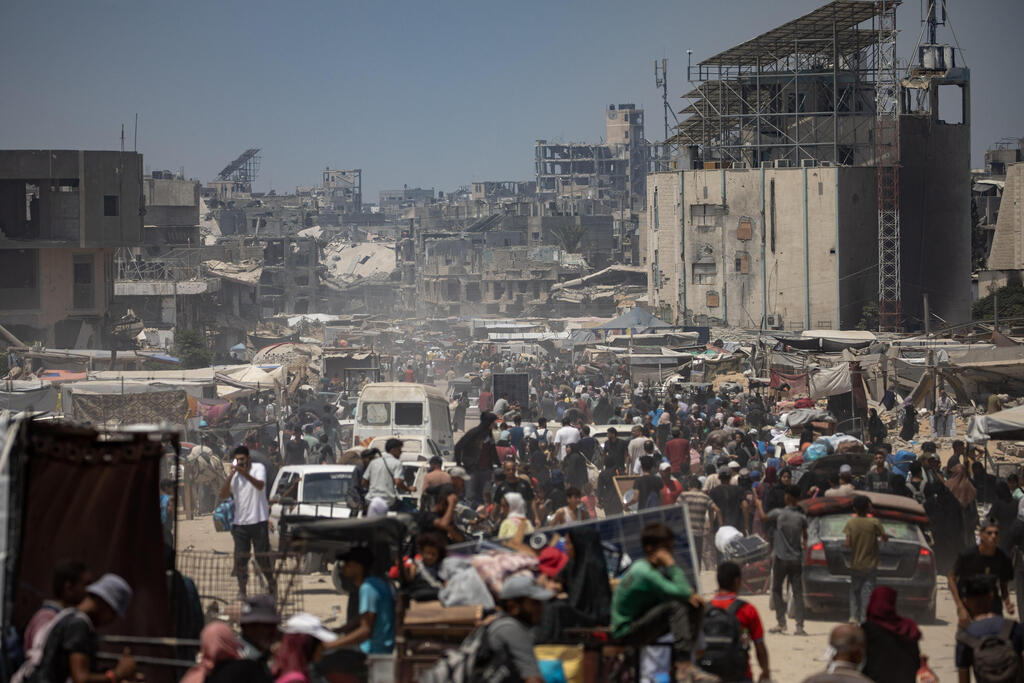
(748, 550)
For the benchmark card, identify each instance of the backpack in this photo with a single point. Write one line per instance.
(472, 662)
(34, 657)
(726, 653)
(224, 515)
(995, 660)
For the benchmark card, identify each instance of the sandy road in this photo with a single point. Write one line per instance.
(791, 657)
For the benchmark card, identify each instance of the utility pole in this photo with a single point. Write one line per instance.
(927, 315)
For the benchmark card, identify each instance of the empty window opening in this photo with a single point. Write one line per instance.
(85, 290)
(951, 104)
(111, 205)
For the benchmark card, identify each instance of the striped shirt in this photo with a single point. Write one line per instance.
(698, 503)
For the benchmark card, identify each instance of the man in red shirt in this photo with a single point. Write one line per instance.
(670, 488)
(729, 581)
(677, 450)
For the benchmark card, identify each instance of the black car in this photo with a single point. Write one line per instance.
(906, 561)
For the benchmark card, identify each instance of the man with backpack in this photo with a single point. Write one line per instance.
(70, 578)
(67, 648)
(991, 645)
(654, 597)
(729, 627)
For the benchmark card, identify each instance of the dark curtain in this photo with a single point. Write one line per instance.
(96, 501)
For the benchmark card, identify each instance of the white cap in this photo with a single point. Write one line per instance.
(306, 624)
(845, 469)
(664, 466)
(733, 465)
(113, 590)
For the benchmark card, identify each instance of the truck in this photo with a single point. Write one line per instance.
(515, 384)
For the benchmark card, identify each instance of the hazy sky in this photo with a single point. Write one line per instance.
(426, 94)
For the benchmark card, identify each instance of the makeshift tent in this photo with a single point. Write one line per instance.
(829, 341)
(18, 395)
(638, 320)
(1005, 424)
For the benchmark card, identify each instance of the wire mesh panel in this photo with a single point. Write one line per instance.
(216, 579)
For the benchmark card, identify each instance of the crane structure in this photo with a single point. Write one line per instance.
(887, 168)
(242, 171)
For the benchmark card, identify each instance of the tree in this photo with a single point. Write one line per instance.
(868, 316)
(1011, 303)
(569, 236)
(191, 349)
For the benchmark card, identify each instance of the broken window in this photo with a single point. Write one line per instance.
(19, 279)
(712, 299)
(84, 295)
(704, 273)
(110, 205)
(745, 230)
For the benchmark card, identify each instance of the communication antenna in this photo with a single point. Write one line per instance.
(661, 81)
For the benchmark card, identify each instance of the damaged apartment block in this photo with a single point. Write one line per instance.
(63, 213)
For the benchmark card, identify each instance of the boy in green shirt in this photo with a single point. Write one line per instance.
(654, 598)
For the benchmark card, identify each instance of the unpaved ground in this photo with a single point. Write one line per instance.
(791, 657)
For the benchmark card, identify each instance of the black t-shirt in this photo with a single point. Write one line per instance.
(646, 486)
(998, 567)
(74, 633)
(617, 451)
(729, 499)
(295, 452)
(520, 486)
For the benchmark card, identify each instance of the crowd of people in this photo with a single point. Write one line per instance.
(589, 443)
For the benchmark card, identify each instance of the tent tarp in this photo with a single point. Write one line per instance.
(17, 398)
(636, 319)
(830, 381)
(1005, 424)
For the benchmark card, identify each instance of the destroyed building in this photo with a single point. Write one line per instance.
(63, 213)
(999, 199)
(611, 175)
(772, 216)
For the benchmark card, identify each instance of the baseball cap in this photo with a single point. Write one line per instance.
(459, 472)
(113, 590)
(733, 464)
(306, 624)
(664, 466)
(845, 469)
(550, 561)
(259, 609)
(523, 586)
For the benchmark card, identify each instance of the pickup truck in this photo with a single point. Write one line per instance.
(303, 493)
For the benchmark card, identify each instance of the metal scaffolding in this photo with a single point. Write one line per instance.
(803, 92)
(887, 155)
(242, 171)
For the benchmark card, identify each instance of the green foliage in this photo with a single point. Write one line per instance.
(569, 236)
(1011, 303)
(190, 347)
(868, 316)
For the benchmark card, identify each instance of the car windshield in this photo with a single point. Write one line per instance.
(832, 527)
(326, 487)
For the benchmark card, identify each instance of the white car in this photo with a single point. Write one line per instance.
(303, 493)
(413, 447)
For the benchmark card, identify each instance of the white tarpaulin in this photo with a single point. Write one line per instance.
(830, 381)
(1005, 424)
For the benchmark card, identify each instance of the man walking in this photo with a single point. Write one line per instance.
(862, 534)
(850, 647)
(788, 542)
(247, 486)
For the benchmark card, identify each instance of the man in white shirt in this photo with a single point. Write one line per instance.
(566, 435)
(635, 449)
(247, 485)
(383, 477)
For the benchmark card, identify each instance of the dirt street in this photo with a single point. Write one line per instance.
(791, 657)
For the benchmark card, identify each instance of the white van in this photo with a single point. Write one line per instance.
(403, 409)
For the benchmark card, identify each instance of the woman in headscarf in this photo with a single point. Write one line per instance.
(908, 418)
(966, 495)
(603, 410)
(584, 579)
(217, 644)
(513, 508)
(892, 652)
(876, 428)
(1004, 512)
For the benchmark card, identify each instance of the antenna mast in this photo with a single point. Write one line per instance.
(887, 165)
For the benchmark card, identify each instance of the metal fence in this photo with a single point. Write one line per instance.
(214, 576)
